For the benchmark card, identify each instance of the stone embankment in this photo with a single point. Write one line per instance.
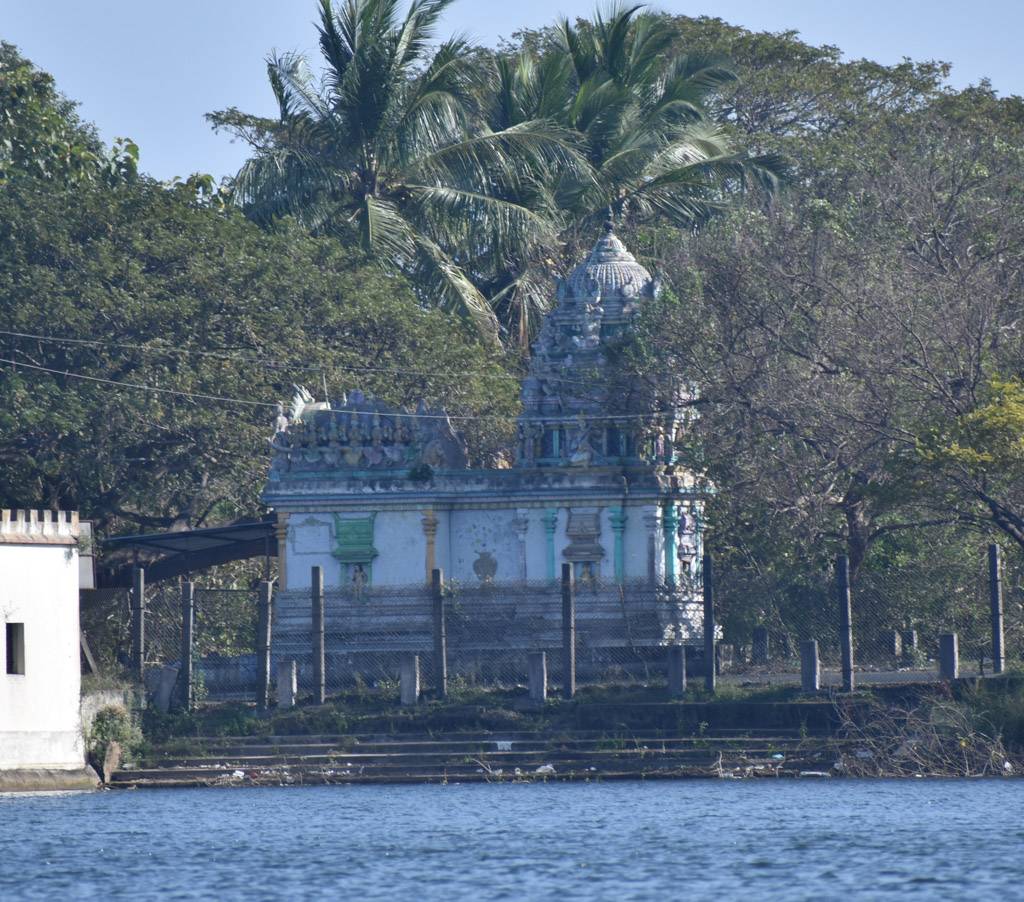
(777, 748)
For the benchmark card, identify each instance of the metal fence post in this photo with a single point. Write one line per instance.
(138, 623)
(440, 634)
(185, 675)
(845, 620)
(949, 657)
(995, 597)
(568, 633)
(317, 619)
(263, 644)
(710, 661)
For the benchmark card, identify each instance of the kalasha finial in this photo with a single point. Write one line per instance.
(609, 223)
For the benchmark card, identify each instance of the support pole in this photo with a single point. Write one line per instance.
(568, 633)
(995, 596)
(710, 661)
(138, 623)
(188, 619)
(810, 666)
(263, 619)
(440, 634)
(949, 657)
(845, 620)
(677, 671)
(319, 681)
(537, 667)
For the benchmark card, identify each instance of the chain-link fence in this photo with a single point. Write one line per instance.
(621, 633)
(105, 620)
(898, 615)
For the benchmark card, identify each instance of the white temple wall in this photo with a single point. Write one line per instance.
(480, 537)
(537, 542)
(515, 538)
(309, 544)
(401, 546)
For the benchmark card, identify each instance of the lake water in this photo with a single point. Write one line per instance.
(925, 839)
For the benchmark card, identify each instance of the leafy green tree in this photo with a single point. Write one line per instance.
(155, 289)
(641, 105)
(385, 153)
(41, 134)
(870, 308)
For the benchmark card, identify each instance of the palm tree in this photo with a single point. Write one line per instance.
(640, 111)
(385, 150)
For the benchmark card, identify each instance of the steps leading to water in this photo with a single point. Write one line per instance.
(482, 757)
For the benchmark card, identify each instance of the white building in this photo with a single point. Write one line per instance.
(41, 742)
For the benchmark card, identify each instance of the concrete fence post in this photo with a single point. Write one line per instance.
(908, 644)
(710, 657)
(317, 619)
(892, 643)
(287, 684)
(845, 620)
(810, 666)
(537, 671)
(263, 621)
(409, 679)
(995, 595)
(949, 657)
(440, 633)
(138, 606)
(186, 676)
(761, 646)
(568, 632)
(677, 671)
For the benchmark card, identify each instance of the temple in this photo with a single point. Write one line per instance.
(379, 496)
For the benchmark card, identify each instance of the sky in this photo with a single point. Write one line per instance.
(149, 70)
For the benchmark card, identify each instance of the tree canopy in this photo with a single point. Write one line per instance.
(147, 333)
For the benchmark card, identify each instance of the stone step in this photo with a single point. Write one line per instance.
(534, 767)
(640, 759)
(446, 754)
(475, 746)
(662, 768)
(490, 736)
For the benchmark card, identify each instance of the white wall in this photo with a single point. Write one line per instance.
(475, 532)
(39, 710)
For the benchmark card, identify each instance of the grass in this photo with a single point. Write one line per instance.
(468, 708)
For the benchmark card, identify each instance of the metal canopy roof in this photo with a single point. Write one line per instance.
(189, 550)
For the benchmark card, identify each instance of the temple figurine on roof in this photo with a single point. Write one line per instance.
(380, 496)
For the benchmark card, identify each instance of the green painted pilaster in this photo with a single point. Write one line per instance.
(550, 522)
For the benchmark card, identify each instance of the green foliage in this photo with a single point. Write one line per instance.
(112, 724)
(386, 154)
(41, 135)
(473, 172)
(201, 305)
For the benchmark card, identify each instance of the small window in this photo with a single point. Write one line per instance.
(15, 647)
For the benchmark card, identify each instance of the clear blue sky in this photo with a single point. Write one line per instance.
(150, 70)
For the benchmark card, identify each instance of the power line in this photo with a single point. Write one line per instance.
(136, 385)
(277, 364)
(245, 401)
